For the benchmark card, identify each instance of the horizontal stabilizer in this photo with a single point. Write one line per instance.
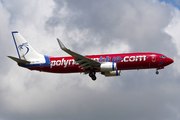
(19, 60)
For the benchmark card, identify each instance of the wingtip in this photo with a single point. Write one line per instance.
(61, 44)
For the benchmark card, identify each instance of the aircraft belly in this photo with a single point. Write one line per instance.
(60, 69)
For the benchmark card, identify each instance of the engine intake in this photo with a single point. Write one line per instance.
(108, 66)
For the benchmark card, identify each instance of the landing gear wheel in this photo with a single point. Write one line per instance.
(93, 77)
(92, 74)
(157, 72)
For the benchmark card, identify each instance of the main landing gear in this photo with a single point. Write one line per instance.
(92, 74)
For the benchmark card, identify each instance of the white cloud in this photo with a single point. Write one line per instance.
(4, 33)
(173, 30)
(88, 27)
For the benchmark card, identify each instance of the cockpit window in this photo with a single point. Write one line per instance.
(163, 56)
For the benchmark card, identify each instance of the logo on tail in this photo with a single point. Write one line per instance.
(24, 45)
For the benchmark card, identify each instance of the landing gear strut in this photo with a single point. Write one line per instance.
(92, 74)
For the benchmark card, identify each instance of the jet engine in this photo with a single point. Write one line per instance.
(108, 66)
(111, 73)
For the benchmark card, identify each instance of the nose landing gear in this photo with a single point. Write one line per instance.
(92, 74)
(157, 72)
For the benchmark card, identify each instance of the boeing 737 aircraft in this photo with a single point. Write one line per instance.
(108, 64)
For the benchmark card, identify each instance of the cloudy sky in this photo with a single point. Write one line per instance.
(90, 27)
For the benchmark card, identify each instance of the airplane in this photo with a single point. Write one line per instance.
(107, 64)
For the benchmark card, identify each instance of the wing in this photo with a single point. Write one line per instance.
(84, 62)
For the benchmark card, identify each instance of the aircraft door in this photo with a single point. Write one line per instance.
(153, 58)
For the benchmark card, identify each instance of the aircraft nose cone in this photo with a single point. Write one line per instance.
(170, 60)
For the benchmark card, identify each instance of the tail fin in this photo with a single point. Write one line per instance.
(24, 49)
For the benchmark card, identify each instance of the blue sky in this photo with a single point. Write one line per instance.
(175, 3)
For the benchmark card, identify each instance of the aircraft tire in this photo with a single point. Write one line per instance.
(93, 77)
(92, 73)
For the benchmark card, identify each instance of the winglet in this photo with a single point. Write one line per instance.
(61, 44)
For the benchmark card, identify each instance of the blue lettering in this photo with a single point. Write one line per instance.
(118, 59)
(108, 59)
(102, 59)
(113, 59)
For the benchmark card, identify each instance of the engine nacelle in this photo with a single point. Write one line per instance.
(108, 66)
(111, 73)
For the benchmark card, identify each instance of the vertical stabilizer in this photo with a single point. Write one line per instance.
(25, 50)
